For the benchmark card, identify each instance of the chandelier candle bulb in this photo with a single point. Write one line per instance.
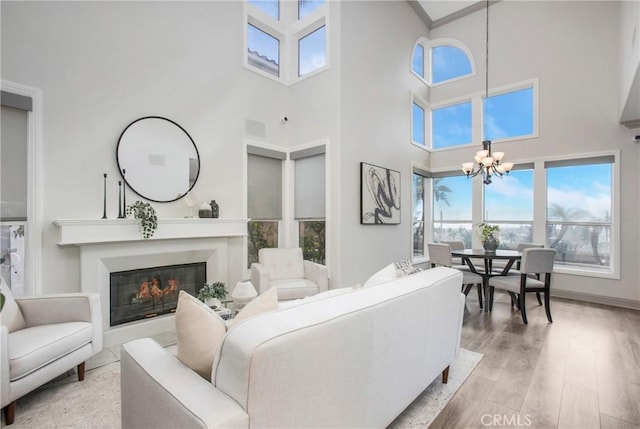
(498, 156)
(467, 167)
(507, 166)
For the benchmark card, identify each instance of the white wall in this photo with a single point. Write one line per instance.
(375, 104)
(572, 48)
(101, 65)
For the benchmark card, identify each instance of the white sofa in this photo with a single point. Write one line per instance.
(354, 359)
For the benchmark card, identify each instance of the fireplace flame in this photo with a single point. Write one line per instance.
(153, 289)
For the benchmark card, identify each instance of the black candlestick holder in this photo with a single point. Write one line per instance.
(104, 197)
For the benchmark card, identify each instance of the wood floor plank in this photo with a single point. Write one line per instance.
(608, 422)
(463, 409)
(618, 389)
(542, 401)
(578, 408)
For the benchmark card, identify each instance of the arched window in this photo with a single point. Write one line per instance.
(441, 60)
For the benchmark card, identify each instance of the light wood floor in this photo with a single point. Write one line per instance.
(581, 371)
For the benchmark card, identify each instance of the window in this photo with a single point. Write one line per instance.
(309, 201)
(509, 115)
(417, 64)
(419, 185)
(13, 189)
(417, 124)
(263, 50)
(451, 125)
(508, 203)
(305, 7)
(579, 212)
(449, 62)
(452, 216)
(312, 51)
(264, 198)
(286, 40)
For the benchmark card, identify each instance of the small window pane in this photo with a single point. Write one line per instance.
(270, 7)
(451, 125)
(305, 7)
(417, 134)
(452, 199)
(418, 216)
(508, 115)
(418, 61)
(312, 51)
(449, 62)
(510, 198)
(263, 50)
(312, 240)
(261, 235)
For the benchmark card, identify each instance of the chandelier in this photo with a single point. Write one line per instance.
(488, 163)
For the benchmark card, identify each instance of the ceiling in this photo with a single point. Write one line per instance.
(436, 13)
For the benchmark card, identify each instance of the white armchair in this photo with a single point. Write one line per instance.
(289, 273)
(42, 337)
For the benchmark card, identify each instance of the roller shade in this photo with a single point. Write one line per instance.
(309, 189)
(13, 163)
(264, 183)
(607, 159)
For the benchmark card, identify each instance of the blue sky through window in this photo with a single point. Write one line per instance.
(312, 51)
(448, 62)
(305, 7)
(262, 43)
(418, 60)
(508, 115)
(451, 125)
(579, 193)
(452, 198)
(270, 7)
(510, 198)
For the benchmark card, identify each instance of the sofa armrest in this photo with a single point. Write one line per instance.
(317, 273)
(4, 366)
(260, 277)
(180, 397)
(61, 308)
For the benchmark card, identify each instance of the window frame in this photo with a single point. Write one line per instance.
(423, 172)
(420, 102)
(427, 58)
(451, 103)
(506, 89)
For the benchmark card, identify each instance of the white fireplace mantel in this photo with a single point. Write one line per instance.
(81, 232)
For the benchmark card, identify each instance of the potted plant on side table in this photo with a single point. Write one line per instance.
(212, 294)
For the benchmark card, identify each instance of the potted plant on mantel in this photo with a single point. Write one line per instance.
(489, 236)
(146, 216)
(212, 294)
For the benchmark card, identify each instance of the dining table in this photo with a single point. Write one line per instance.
(488, 256)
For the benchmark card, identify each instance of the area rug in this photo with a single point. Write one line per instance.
(95, 402)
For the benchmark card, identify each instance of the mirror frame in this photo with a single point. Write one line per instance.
(124, 175)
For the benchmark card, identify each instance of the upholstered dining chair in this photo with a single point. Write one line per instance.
(536, 261)
(285, 269)
(42, 337)
(440, 254)
(457, 245)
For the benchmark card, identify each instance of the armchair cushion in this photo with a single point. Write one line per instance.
(294, 288)
(282, 263)
(32, 348)
(11, 316)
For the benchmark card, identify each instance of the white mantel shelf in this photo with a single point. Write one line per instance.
(78, 232)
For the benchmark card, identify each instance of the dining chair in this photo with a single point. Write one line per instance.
(440, 254)
(520, 248)
(535, 261)
(457, 245)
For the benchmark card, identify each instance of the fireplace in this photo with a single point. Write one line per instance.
(150, 292)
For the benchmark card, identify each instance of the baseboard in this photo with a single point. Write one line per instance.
(597, 299)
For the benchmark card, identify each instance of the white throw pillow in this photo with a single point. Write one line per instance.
(200, 333)
(11, 316)
(268, 301)
(385, 275)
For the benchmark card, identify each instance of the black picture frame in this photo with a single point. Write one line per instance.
(379, 195)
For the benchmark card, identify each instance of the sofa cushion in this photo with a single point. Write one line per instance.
(294, 288)
(200, 332)
(11, 316)
(282, 263)
(34, 347)
(322, 295)
(385, 275)
(264, 303)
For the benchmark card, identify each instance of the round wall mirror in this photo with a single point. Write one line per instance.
(158, 159)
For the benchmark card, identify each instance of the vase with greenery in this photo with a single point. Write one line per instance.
(146, 216)
(489, 236)
(212, 294)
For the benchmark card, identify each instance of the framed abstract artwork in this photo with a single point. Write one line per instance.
(379, 195)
